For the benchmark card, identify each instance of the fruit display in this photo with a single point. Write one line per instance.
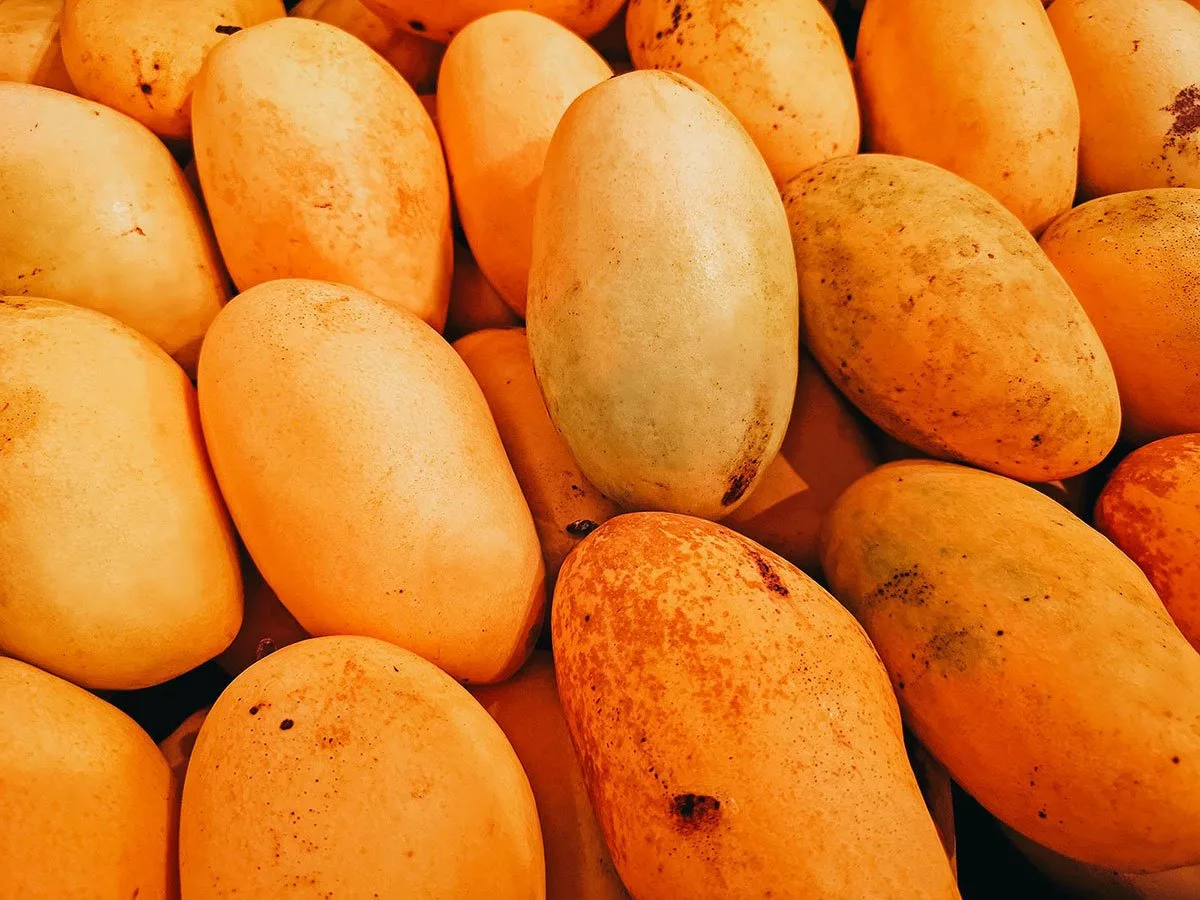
(600, 449)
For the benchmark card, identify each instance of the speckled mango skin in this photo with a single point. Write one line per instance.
(1133, 261)
(319, 161)
(979, 87)
(1150, 508)
(936, 312)
(273, 804)
(1030, 656)
(441, 20)
(777, 64)
(736, 730)
(671, 315)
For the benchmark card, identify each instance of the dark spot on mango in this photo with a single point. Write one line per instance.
(769, 576)
(146, 89)
(286, 724)
(581, 527)
(228, 29)
(908, 586)
(1186, 110)
(694, 812)
(416, 25)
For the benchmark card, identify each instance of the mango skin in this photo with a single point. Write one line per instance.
(978, 87)
(526, 707)
(936, 313)
(505, 83)
(31, 44)
(777, 64)
(347, 766)
(392, 511)
(1150, 508)
(1030, 656)
(319, 161)
(1135, 64)
(442, 20)
(1133, 261)
(141, 57)
(731, 718)
(80, 774)
(98, 214)
(137, 582)
(668, 317)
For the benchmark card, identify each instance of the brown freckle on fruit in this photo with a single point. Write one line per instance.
(146, 89)
(769, 576)
(1042, 814)
(416, 24)
(286, 724)
(695, 812)
(228, 29)
(1186, 110)
(999, 632)
(254, 710)
(1175, 759)
(581, 527)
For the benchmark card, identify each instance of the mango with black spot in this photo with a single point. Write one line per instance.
(663, 329)
(1030, 656)
(737, 732)
(347, 767)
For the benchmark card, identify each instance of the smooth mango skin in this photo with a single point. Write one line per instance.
(777, 64)
(1030, 656)
(1135, 64)
(86, 799)
(1133, 261)
(935, 312)
(31, 44)
(141, 57)
(979, 87)
(505, 83)
(474, 303)
(526, 707)
(364, 472)
(1150, 508)
(415, 58)
(824, 451)
(347, 767)
(137, 579)
(97, 213)
(442, 20)
(663, 331)
(565, 505)
(736, 731)
(319, 161)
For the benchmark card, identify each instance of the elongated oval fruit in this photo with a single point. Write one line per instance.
(137, 579)
(1030, 656)
(31, 44)
(97, 213)
(347, 767)
(663, 333)
(1136, 68)
(319, 161)
(824, 451)
(442, 20)
(979, 87)
(364, 472)
(736, 731)
(937, 314)
(505, 83)
(141, 57)
(78, 773)
(1150, 508)
(565, 505)
(777, 64)
(526, 707)
(1133, 260)
(414, 57)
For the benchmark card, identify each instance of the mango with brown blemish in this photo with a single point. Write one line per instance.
(931, 307)
(1136, 68)
(442, 20)
(1150, 508)
(663, 333)
(737, 733)
(87, 807)
(979, 87)
(347, 767)
(526, 707)
(1030, 656)
(97, 213)
(365, 474)
(565, 505)
(141, 57)
(505, 83)
(1133, 260)
(319, 161)
(777, 64)
(824, 451)
(118, 567)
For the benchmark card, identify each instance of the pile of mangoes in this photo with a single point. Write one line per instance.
(614, 450)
